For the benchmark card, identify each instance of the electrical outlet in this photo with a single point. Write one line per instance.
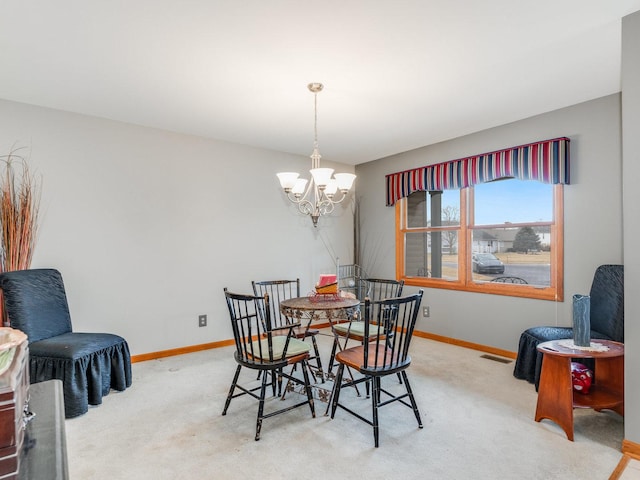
(425, 311)
(202, 320)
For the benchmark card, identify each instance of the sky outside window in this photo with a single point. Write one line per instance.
(514, 201)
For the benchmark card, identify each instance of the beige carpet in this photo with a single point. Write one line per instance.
(478, 423)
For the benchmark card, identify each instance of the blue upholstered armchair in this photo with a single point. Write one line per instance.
(607, 322)
(89, 364)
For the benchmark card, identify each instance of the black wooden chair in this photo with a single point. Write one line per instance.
(89, 364)
(606, 317)
(378, 357)
(260, 347)
(375, 289)
(279, 290)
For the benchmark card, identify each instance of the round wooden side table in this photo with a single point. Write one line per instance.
(556, 396)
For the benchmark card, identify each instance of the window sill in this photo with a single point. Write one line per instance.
(523, 291)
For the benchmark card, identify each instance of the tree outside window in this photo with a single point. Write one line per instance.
(526, 241)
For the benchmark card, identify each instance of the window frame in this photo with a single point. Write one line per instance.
(465, 282)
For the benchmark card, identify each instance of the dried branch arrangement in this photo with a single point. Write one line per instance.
(19, 206)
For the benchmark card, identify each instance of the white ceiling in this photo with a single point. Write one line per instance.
(398, 74)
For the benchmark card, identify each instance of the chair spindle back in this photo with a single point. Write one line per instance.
(379, 289)
(251, 323)
(278, 290)
(398, 315)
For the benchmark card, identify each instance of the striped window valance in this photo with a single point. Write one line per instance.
(546, 161)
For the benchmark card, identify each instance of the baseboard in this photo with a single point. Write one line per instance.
(225, 343)
(465, 344)
(631, 448)
(180, 351)
(631, 451)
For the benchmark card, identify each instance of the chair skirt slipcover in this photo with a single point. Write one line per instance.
(89, 364)
(529, 360)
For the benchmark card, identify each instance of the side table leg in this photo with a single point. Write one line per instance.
(555, 393)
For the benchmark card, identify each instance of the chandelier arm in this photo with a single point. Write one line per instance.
(325, 207)
(342, 197)
(306, 207)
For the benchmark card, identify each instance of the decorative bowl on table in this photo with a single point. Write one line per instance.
(10, 338)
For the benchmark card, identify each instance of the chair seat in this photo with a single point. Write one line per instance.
(356, 329)
(354, 358)
(74, 345)
(295, 348)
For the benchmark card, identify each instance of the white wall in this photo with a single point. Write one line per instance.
(592, 214)
(631, 168)
(148, 226)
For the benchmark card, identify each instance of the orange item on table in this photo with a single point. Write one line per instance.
(328, 284)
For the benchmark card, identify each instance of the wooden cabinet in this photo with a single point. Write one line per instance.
(14, 395)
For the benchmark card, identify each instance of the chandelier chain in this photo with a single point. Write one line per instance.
(315, 155)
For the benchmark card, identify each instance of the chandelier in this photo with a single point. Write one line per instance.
(319, 195)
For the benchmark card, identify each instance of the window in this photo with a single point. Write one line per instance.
(502, 237)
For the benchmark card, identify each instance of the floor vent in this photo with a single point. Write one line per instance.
(496, 359)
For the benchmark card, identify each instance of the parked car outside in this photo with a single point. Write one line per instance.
(486, 263)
